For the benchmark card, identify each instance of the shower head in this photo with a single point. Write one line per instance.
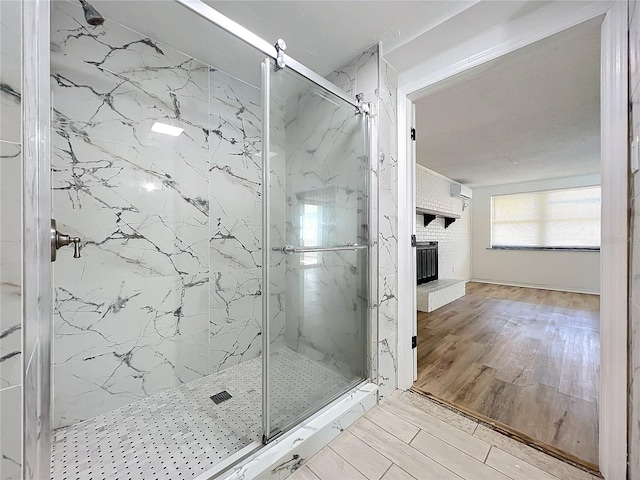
(91, 14)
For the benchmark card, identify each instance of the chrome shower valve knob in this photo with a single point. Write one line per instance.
(59, 240)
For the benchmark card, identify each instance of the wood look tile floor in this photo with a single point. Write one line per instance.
(399, 440)
(523, 358)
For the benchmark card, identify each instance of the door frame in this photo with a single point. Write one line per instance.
(614, 249)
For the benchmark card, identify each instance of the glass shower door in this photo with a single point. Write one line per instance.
(316, 247)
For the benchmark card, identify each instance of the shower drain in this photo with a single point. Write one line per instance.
(220, 397)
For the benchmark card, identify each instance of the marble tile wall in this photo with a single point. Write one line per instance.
(236, 221)
(372, 76)
(10, 241)
(388, 218)
(167, 288)
(634, 253)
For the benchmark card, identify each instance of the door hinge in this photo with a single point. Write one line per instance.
(414, 341)
(413, 240)
(413, 134)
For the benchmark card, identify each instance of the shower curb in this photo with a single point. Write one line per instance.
(289, 452)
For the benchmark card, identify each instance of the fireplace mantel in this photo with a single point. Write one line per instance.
(430, 215)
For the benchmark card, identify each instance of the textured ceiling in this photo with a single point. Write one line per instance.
(530, 115)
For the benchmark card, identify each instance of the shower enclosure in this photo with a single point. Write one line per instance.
(221, 292)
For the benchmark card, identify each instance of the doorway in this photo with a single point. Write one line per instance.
(613, 290)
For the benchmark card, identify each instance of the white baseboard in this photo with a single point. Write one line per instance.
(532, 285)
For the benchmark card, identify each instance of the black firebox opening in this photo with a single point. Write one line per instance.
(427, 261)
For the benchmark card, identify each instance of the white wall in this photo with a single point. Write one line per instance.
(556, 270)
(454, 243)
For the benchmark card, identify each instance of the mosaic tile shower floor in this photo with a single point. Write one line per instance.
(180, 433)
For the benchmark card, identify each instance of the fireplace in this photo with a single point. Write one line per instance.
(426, 261)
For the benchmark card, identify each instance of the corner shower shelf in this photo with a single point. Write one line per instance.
(430, 215)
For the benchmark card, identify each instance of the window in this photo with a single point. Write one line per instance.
(553, 219)
(310, 221)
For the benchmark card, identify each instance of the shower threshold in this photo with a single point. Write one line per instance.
(181, 433)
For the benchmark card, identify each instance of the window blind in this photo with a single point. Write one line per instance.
(567, 218)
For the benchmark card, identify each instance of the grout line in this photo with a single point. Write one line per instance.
(406, 471)
(345, 460)
(488, 452)
(311, 469)
(419, 452)
(475, 429)
(438, 436)
(387, 470)
(348, 462)
(414, 437)
(384, 429)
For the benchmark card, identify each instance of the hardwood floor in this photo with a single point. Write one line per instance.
(525, 358)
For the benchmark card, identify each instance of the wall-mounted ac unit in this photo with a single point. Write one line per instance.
(460, 191)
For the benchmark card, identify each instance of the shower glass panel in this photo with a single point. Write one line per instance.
(156, 167)
(316, 245)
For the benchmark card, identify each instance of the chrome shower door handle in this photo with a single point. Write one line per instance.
(59, 240)
(290, 249)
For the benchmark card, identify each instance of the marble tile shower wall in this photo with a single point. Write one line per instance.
(10, 241)
(454, 242)
(167, 288)
(372, 76)
(388, 218)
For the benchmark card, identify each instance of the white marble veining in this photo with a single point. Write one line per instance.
(11, 430)
(236, 295)
(130, 245)
(236, 244)
(388, 308)
(10, 72)
(92, 174)
(231, 343)
(122, 341)
(235, 192)
(388, 218)
(10, 265)
(10, 241)
(167, 288)
(112, 84)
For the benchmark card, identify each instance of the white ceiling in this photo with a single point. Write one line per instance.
(326, 34)
(532, 114)
(321, 34)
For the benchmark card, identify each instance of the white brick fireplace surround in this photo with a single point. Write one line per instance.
(454, 242)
